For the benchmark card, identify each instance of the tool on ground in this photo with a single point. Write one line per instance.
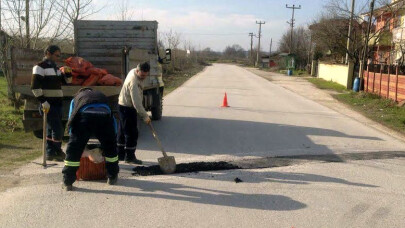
(167, 163)
(45, 111)
(44, 164)
(225, 102)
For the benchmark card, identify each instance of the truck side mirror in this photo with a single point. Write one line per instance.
(168, 57)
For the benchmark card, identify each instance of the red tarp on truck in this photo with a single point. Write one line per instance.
(85, 74)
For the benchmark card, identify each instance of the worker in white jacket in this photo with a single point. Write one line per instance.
(129, 106)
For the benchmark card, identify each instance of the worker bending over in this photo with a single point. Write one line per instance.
(90, 115)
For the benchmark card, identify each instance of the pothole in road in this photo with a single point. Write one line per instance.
(185, 168)
(268, 162)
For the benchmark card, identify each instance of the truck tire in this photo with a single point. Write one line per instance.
(38, 133)
(157, 111)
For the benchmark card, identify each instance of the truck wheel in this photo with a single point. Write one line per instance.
(157, 111)
(38, 133)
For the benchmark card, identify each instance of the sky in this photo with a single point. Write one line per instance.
(216, 23)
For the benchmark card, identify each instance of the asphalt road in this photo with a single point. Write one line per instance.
(264, 120)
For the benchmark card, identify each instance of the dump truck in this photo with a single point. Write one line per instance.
(117, 46)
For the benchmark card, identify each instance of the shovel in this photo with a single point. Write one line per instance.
(44, 137)
(44, 164)
(167, 163)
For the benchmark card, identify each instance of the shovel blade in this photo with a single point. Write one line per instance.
(167, 164)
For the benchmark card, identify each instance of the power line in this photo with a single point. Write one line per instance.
(292, 25)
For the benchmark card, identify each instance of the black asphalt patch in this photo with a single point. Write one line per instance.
(268, 162)
(184, 168)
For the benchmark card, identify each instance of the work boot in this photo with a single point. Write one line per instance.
(59, 154)
(50, 157)
(131, 159)
(67, 187)
(112, 180)
(121, 156)
(50, 148)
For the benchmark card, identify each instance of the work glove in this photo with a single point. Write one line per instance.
(147, 120)
(66, 70)
(95, 156)
(46, 106)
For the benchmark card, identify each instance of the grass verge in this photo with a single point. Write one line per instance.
(323, 84)
(378, 109)
(381, 110)
(16, 146)
(178, 78)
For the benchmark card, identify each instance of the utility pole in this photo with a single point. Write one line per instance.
(251, 45)
(364, 56)
(310, 49)
(260, 23)
(271, 44)
(292, 25)
(349, 35)
(27, 22)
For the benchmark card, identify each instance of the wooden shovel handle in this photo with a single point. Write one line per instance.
(157, 139)
(44, 137)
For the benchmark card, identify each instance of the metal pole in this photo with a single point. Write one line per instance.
(368, 77)
(396, 84)
(389, 79)
(349, 35)
(381, 75)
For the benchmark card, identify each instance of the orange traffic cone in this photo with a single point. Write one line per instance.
(225, 102)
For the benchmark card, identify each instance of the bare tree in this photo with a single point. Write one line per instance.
(333, 38)
(172, 40)
(48, 21)
(234, 52)
(124, 11)
(302, 45)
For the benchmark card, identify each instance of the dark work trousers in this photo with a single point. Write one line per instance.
(86, 125)
(127, 137)
(55, 130)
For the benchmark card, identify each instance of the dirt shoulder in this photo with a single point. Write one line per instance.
(301, 86)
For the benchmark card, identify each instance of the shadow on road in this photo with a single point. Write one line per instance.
(202, 195)
(249, 176)
(206, 137)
